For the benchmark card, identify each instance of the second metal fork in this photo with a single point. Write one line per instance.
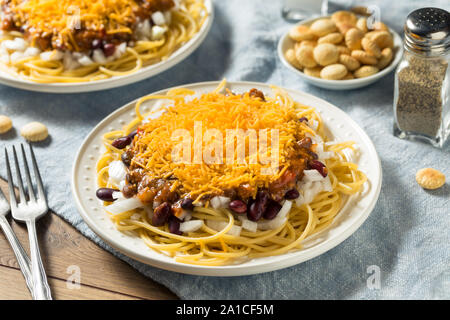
(28, 211)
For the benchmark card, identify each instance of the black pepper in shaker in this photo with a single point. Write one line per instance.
(421, 95)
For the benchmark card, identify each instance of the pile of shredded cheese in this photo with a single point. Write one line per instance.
(154, 143)
(59, 17)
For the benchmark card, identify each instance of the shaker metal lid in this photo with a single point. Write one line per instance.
(428, 29)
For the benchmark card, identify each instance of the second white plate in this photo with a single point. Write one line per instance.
(339, 126)
(113, 82)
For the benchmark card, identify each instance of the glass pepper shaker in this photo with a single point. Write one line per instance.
(422, 88)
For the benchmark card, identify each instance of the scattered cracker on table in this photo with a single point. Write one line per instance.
(5, 124)
(429, 178)
(34, 131)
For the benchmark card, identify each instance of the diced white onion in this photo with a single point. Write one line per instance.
(287, 205)
(118, 195)
(218, 202)
(149, 212)
(117, 171)
(120, 206)
(313, 124)
(271, 224)
(51, 55)
(4, 57)
(314, 138)
(16, 56)
(168, 16)
(158, 18)
(98, 56)
(312, 176)
(215, 202)
(120, 50)
(135, 216)
(220, 225)
(145, 29)
(225, 201)
(85, 60)
(308, 194)
(191, 226)
(247, 224)
(32, 52)
(157, 32)
(326, 183)
(300, 200)
(18, 44)
(321, 153)
(69, 62)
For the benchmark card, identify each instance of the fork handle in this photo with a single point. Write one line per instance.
(21, 255)
(41, 287)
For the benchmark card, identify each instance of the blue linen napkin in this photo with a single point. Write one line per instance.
(406, 237)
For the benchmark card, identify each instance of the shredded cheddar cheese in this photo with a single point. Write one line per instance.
(155, 142)
(61, 19)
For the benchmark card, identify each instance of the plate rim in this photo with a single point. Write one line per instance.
(119, 81)
(229, 270)
(339, 84)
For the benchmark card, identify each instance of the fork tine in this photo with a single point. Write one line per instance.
(12, 196)
(19, 177)
(27, 175)
(37, 175)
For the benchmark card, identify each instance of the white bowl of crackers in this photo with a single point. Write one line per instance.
(342, 51)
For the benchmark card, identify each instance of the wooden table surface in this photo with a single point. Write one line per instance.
(64, 249)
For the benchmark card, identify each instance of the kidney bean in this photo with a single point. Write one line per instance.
(105, 194)
(109, 49)
(303, 119)
(305, 143)
(292, 194)
(121, 142)
(319, 166)
(238, 206)
(272, 210)
(126, 159)
(313, 154)
(186, 204)
(258, 207)
(174, 225)
(96, 43)
(161, 214)
(132, 134)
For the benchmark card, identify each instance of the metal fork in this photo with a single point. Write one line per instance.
(21, 255)
(28, 212)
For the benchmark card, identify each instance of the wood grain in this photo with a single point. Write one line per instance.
(12, 289)
(103, 276)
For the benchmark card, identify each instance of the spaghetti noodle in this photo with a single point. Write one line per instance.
(217, 214)
(70, 41)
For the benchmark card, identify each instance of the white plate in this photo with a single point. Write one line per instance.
(340, 127)
(117, 81)
(285, 43)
